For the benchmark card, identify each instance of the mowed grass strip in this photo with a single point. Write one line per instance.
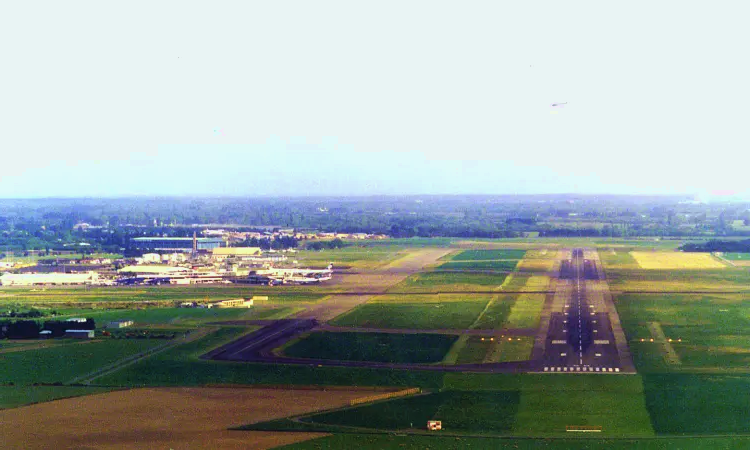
(444, 281)
(62, 363)
(15, 396)
(698, 404)
(496, 313)
(422, 316)
(436, 442)
(470, 412)
(526, 311)
(377, 347)
(484, 255)
(480, 265)
(676, 260)
(550, 403)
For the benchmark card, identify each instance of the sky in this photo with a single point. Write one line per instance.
(245, 98)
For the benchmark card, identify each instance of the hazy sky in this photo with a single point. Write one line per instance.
(103, 98)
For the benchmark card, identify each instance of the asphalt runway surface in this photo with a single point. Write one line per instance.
(577, 338)
(580, 336)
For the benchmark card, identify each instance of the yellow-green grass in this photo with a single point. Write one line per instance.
(356, 257)
(617, 259)
(676, 260)
(496, 312)
(182, 316)
(428, 313)
(506, 265)
(719, 280)
(162, 295)
(488, 255)
(444, 281)
(510, 348)
(526, 311)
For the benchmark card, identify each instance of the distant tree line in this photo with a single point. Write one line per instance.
(326, 245)
(718, 246)
(30, 329)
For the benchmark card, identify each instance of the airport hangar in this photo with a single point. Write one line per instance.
(177, 244)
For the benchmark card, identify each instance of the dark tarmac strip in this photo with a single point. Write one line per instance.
(580, 337)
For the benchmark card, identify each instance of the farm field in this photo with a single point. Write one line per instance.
(379, 347)
(166, 418)
(676, 260)
(425, 312)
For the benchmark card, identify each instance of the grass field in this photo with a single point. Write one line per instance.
(709, 331)
(526, 311)
(484, 255)
(471, 412)
(15, 396)
(443, 281)
(737, 256)
(172, 316)
(676, 260)
(426, 315)
(353, 256)
(107, 296)
(379, 347)
(549, 403)
(480, 265)
(698, 404)
(62, 363)
(718, 280)
(491, 350)
(420, 442)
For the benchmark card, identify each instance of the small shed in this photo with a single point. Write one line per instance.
(121, 323)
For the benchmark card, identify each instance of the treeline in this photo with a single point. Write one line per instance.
(30, 329)
(326, 245)
(718, 246)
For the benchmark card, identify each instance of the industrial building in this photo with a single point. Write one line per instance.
(41, 279)
(79, 334)
(222, 253)
(119, 323)
(180, 244)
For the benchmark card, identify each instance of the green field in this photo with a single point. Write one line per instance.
(379, 347)
(736, 256)
(491, 350)
(698, 404)
(450, 282)
(430, 315)
(482, 255)
(468, 412)
(480, 265)
(713, 330)
(106, 296)
(15, 396)
(353, 256)
(184, 316)
(63, 363)
(526, 311)
(722, 280)
(436, 442)
(496, 313)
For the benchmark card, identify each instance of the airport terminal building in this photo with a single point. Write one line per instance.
(176, 244)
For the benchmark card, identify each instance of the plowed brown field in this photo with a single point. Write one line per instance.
(167, 418)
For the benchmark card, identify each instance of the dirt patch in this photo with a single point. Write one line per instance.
(183, 418)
